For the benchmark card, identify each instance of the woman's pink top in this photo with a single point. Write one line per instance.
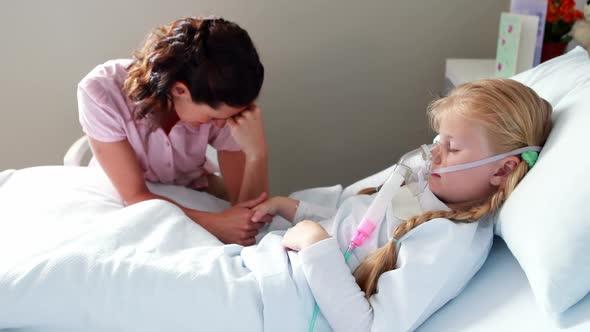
(106, 115)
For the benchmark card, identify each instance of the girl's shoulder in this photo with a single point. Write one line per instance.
(469, 241)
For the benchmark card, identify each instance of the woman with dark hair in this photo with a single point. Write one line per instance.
(194, 82)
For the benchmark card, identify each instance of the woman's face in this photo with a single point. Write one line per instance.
(196, 114)
(463, 141)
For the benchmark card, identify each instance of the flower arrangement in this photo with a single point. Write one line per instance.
(561, 16)
(581, 29)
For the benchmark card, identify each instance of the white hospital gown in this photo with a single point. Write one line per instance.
(436, 260)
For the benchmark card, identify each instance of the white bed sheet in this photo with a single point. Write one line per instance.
(499, 298)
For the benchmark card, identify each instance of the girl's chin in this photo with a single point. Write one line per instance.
(440, 197)
(436, 190)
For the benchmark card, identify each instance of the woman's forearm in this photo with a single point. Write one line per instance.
(255, 178)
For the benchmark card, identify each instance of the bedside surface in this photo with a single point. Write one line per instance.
(459, 71)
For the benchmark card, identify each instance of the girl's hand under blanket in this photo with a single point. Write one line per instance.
(303, 235)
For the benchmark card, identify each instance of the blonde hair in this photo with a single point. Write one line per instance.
(514, 117)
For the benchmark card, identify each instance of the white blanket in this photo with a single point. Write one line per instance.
(74, 259)
(81, 262)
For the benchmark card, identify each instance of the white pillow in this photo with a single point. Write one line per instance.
(554, 79)
(546, 221)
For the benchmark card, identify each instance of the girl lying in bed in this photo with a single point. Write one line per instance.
(440, 235)
(145, 268)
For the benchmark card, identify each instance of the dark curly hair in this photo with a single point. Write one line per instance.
(214, 58)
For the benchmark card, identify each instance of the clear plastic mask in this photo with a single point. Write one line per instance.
(416, 165)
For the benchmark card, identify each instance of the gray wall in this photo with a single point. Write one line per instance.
(346, 87)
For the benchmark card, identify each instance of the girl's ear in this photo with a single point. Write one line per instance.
(180, 90)
(506, 167)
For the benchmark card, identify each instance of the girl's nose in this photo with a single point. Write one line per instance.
(436, 154)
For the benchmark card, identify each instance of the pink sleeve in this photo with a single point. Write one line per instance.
(222, 140)
(99, 120)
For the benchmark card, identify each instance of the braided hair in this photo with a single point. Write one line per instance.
(214, 58)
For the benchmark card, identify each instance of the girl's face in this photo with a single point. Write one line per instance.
(463, 141)
(196, 114)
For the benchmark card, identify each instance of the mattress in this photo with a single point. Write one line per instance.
(499, 298)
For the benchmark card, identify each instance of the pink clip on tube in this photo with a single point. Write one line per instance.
(362, 232)
(376, 210)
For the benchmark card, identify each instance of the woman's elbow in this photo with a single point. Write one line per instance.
(136, 197)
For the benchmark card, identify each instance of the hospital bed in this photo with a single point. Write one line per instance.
(498, 298)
